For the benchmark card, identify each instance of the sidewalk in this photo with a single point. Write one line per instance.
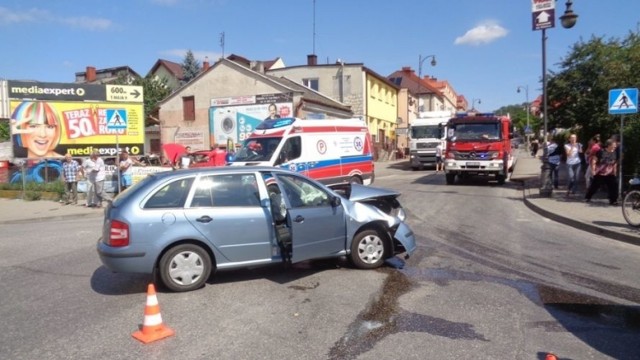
(597, 217)
(14, 211)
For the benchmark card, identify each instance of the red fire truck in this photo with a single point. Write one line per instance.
(479, 145)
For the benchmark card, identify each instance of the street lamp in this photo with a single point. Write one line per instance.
(568, 20)
(421, 60)
(526, 95)
(473, 102)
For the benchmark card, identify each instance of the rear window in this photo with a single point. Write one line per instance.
(122, 197)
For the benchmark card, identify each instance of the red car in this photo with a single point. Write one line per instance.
(205, 158)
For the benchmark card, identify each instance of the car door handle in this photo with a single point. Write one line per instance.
(204, 219)
(299, 219)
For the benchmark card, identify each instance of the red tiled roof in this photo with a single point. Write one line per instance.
(412, 82)
(174, 68)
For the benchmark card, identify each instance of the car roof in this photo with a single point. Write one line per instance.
(220, 170)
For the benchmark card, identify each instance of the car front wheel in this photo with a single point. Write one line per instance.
(368, 249)
(185, 267)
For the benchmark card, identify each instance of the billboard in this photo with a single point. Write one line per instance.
(51, 119)
(235, 118)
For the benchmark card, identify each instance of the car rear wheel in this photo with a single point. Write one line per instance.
(185, 267)
(368, 249)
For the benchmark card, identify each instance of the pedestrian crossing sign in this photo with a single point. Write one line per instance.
(116, 119)
(623, 101)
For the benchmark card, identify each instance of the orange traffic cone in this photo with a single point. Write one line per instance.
(152, 327)
(550, 356)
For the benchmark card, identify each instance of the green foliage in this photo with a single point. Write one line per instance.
(518, 115)
(154, 90)
(55, 187)
(190, 67)
(578, 92)
(32, 195)
(5, 134)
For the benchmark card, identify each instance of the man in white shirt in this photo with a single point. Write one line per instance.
(96, 178)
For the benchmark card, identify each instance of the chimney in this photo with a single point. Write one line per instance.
(90, 75)
(312, 59)
(406, 69)
(205, 64)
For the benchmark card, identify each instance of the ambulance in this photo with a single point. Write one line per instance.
(332, 151)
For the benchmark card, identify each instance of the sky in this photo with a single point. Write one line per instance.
(484, 49)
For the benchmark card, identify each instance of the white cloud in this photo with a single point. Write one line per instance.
(8, 16)
(88, 23)
(484, 33)
(179, 54)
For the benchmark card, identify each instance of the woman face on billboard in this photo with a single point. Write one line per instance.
(36, 127)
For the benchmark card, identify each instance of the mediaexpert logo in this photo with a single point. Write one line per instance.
(37, 90)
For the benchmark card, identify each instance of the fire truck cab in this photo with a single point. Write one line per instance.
(478, 144)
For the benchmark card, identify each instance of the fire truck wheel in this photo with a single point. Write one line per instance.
(451, 178)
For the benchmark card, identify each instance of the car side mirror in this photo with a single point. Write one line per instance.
(335, 201)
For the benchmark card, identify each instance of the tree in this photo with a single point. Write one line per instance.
(190, 67)
(578, 93)
(4, 131)
(518, 115)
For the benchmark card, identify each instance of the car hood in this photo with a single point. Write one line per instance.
(361, 192)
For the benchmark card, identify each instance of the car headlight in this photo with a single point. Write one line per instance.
(400, 214)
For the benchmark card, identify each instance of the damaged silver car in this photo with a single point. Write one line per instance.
(184, 225)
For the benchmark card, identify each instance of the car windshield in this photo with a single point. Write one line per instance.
(426, 131)
(476, 131)
(130, 190)
(258, 149)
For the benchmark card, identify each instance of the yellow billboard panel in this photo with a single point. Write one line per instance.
(46, 129)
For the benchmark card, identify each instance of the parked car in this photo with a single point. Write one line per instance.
(184, 225)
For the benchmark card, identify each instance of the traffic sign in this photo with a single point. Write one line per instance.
(543, 14)
(623, 101)
(116, 119)
(125, 93)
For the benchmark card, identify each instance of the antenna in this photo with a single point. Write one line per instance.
(222, 43)
(314, 27)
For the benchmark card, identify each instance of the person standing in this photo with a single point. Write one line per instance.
(554, 160)
(439, 162)
(593, 146)
(573, 150)
(604, 167)
(85, 171)
(126, 170)
(96, 178)
(70, 170)
(534, 147)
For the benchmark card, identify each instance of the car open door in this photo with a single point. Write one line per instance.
(317, 223)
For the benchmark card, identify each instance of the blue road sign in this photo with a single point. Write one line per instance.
(623, 101)
(116, 119)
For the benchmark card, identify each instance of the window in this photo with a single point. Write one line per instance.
(290, 150)
(302, 193)
(226, 190)
(311, 83)
(172, 195)
(189, 108)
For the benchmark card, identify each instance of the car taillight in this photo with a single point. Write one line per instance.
(118, 234)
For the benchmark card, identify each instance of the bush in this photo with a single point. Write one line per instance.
(32, 195)
(55, 187)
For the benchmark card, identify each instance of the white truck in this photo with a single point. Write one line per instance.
(425, 133)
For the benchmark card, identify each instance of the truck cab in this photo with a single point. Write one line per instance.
(478, 145)
(425, 133)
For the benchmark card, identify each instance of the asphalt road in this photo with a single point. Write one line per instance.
(490, 279)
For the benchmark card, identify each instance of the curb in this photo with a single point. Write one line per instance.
(594, 229)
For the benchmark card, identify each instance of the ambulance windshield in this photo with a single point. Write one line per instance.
(257, 149)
